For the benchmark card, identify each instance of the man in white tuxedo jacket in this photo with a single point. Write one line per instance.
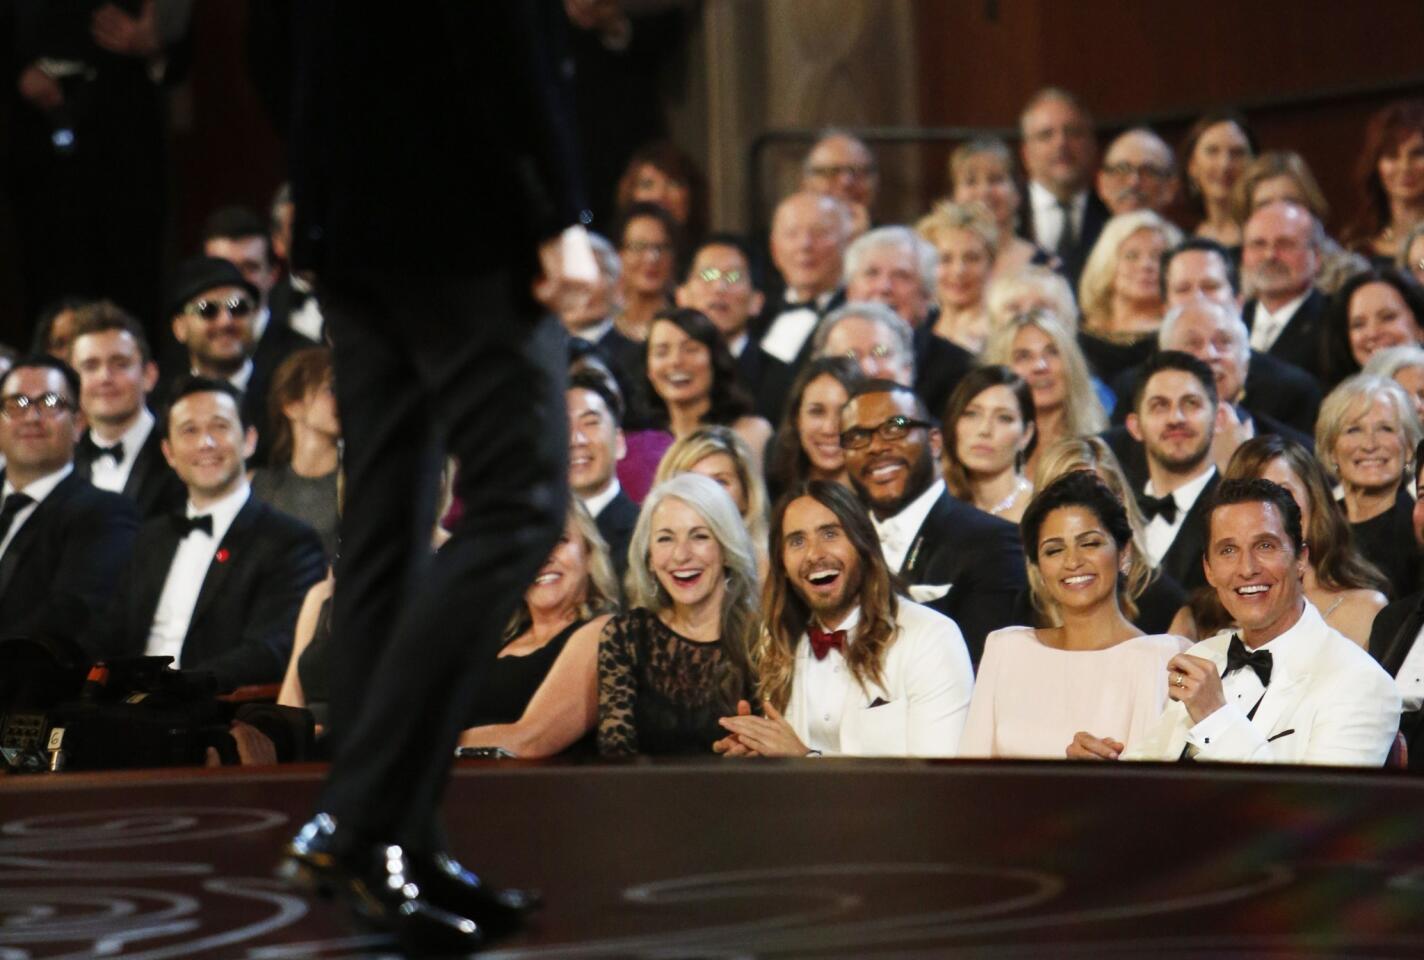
(846, 666)
(1285, 687)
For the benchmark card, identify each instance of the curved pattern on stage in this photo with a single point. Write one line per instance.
(719, 859)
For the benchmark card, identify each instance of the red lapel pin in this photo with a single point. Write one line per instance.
(222, 555)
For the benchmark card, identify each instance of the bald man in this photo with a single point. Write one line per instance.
(1139, 172)
(841, 165)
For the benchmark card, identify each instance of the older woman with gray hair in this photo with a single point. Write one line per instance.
(894, 266)
(1365, 437)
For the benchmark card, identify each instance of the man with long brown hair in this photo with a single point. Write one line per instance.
(846, 665)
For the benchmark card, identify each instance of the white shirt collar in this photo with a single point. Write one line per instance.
(850, 625)
(240, 379)
(1283, 315)
(259, 322)
(596, 332)
(1186, 495)
(1043, 199)
(737, 344)
(897, 533)
(598, 501)
(224, 511)
(44, 486)
(1293, 646)
(134, 437)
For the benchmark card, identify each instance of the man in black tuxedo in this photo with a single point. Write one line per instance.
(428, 176)
(1063, 215)
(62, 542)
(216, 585)
(961, 561)
(809, 233)
(1280, 259)
(587, 313)
(595, 447)
(1394, 640)
(1175, 416)
(121, 451)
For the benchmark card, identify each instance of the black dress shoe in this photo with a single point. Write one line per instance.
(431, 904)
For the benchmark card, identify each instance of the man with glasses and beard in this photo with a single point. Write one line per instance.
(1175, 416)
(957, 559)
(846, 666)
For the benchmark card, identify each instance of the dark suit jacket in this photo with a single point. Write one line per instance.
(1299, 342)
(1391, 639)
(616, 522)
(939, 366)
(59, 570)
(979, 556)
(152, 485)
(1277, 391)
(242, 625)
(1183, 560)
(774, 375)
(1095, 216)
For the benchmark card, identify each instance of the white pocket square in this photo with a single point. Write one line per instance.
(926, 592)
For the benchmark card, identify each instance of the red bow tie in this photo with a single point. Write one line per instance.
(824, 641)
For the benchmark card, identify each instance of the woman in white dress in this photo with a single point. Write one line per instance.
(1037, 688)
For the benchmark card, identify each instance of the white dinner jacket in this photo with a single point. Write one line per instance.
(923, 701)
(1328, 702)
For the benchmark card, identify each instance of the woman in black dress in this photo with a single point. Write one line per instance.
(1365, 436)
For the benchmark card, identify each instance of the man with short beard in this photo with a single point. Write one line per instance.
(1175, 415)
(960, 561)
(1280, 259)
(1139, 172)
(840, 644)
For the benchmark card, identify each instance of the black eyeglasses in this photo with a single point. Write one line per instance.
(895, 428)
(237, 308)
(1147, 171)
(16, 405)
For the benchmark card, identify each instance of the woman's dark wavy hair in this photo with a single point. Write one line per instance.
(787, 463)
(1189, 146)
(1391, 126)
(1337, 360)
(975, 382)
(675, 164)
(785, 614)
(1079, 488)
(729, 401)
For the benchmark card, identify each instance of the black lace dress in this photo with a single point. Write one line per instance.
(659, 692)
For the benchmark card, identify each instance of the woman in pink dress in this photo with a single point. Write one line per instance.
(1037, 688)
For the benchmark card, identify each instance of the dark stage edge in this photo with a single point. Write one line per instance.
(824, 859)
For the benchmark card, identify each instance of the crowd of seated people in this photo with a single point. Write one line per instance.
(1037, 474)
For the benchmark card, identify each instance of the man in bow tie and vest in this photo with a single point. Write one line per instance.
(848, 667)
(1283, 687)
(121, 450)
(216, 585)
(1175, 416)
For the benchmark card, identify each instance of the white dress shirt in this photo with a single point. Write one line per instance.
(596, 332)
(598, 501)
(826, 683)
(897, 533)
(37, 491)
(792, 327)
(1160, 533)
(1410, 678)
(186, 575)
(306, 319)
(1048, 215)
(240, 379)
(1266, 327)
(104, 473)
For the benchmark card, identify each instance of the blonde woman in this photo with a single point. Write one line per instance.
(968, 242)
(1039, 349)
(1120, 292)
(983, 172)
(1032, 288)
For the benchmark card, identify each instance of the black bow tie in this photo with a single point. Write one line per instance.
(186, 525)
(95, 451)
(1152, 506)
(1237, 657)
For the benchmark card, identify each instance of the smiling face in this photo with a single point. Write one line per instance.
(207, 446)
(1218, 159)
(679, 367)
(887, 474)
(114, 379)
(984, 178)
(684, 555)
(1174, 421)
(1379, 319)
(1252, 564)
(595, 442)
(1401, 171)
(1077, 558)
(647, 254)
(964, 265)
(821, 563)
(808, 236)
(1277, 257)
(991, 433)
(818, 424)
(38, 441)
(888, 274)
(1035, 357)
(1138, 272)
(720, 285)
(223, 342)
(1369, 453)
(1137, 173)
(562, 582)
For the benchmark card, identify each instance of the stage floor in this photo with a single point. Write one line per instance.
(725, 859)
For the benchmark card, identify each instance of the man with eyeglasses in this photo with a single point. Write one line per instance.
(1280, 259)
(958, 560)
(1139, 172)
(841, 165)
(877, 338)
(1064, 215)
(720, 284)
(62, 542)
(213, 308)
(120, 451)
